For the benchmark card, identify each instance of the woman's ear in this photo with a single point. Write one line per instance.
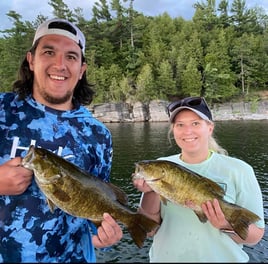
(211, 127)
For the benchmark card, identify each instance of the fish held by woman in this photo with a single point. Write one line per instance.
(81, 194)
(182, 186)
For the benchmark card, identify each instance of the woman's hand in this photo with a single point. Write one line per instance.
(214, 214)
(216, 217)
(141, 185)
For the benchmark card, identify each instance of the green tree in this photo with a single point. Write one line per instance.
(190, 55)
(224, 19)
(61, 10)
(245, 20)
(145, 85)
(250, 60)
(191, 79)
(165, 84)
(13, 48)
(132, 56)
(218, 76)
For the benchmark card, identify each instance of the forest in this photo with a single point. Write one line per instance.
(221, 53)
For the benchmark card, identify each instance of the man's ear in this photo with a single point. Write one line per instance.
(29, 57)
(83, 69)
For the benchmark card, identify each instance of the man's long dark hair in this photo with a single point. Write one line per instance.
(83, 93)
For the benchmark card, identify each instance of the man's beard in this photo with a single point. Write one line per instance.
(57, 100)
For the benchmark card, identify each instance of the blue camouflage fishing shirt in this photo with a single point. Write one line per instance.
(29, 232)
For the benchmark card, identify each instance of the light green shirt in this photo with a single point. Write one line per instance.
(183, 238)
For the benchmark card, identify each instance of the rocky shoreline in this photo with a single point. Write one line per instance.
(155, 111)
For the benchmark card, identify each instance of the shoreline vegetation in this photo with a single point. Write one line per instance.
(221, 52)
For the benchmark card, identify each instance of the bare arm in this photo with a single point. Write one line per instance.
(150, 201)
(255, 234)
(217, 219)
(14, 179)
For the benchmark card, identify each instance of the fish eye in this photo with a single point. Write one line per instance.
(44, 156)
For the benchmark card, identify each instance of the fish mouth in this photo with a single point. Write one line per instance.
(27, 160)
(138, 175)
(155, 179)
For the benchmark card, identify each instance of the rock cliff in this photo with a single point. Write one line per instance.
(155, 111)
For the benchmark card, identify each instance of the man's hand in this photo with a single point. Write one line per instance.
(14, 179)
(108, 233)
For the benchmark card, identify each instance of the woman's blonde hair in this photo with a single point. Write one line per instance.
(214, 146)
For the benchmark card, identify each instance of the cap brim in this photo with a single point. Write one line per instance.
(176, 111)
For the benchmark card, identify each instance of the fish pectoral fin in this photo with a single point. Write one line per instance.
(169, 187)
(51, 206)
(55, 178)
(201, 216)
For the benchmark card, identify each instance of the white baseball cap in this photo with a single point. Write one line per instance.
(61, 27)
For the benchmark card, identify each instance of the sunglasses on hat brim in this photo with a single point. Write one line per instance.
(197, 103)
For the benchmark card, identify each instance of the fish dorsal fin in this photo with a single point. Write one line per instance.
(214, 188)
(208, 183)
(121, 196)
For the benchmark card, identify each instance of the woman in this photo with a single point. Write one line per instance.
(181, 236)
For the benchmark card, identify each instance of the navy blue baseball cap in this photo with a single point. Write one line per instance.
(195, 104)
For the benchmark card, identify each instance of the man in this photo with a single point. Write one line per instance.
(46, 109)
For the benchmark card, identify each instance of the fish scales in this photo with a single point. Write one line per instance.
(184, 187)
(81, 194)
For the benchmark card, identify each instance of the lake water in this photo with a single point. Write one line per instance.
(132, 142)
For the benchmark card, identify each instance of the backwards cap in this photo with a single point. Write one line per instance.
(61, 27)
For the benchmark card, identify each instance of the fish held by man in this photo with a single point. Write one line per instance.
(182, 186)
(81, 194)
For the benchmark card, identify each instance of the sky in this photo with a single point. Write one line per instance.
(175, 8)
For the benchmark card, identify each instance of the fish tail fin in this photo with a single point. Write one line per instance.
(240, 219)
(139, 227)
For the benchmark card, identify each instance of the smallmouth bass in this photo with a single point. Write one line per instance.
(180, 185)
(81, 194)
